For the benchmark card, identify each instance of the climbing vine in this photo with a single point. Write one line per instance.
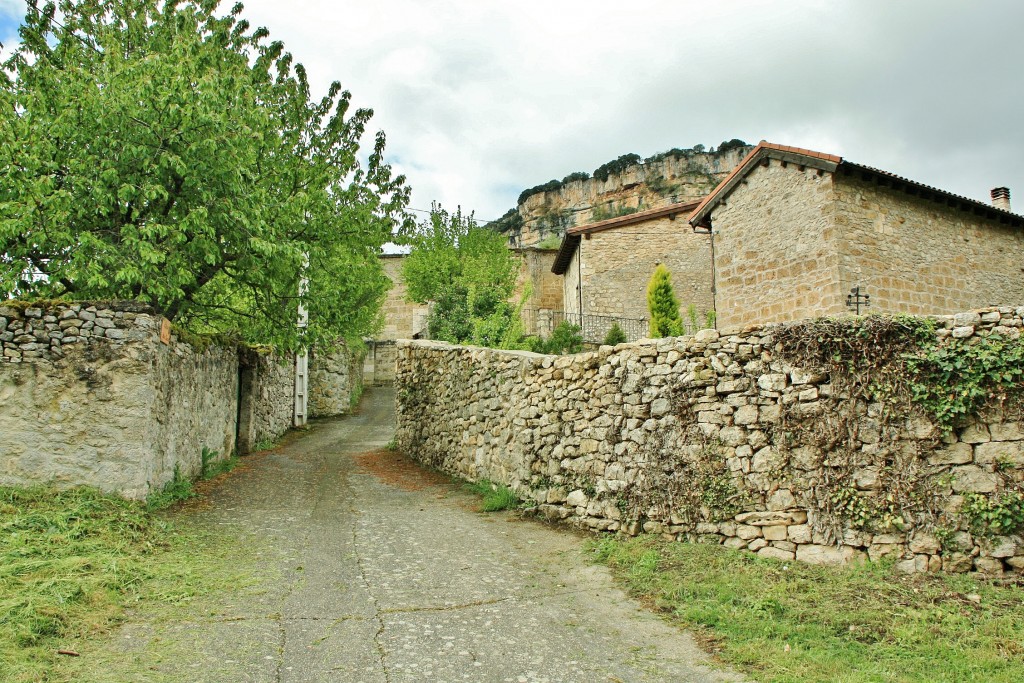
(954, 380)
(686, 485)
(894, 373)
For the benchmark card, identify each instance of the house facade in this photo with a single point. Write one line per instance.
(794, 231)
(606, 265)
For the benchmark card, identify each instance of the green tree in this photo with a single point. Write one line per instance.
(165, 152)
(662, 305)
(469, 276)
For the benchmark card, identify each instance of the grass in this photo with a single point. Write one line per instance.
(496, 497)
(176, 490)
(72, 562)
(789, 622)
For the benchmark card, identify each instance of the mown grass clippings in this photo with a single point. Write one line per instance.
(72, 562)
(786, 622)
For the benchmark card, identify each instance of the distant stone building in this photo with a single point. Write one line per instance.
(606, 266)
(403, 319)
(535, 271)
(795, 230)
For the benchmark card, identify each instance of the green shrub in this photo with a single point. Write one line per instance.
(565, 338)
(550, 186)
(615, 336)
(578, 175)
(177, 489)
(995, 515)
(617, 166)
(552, 241)
(735, 143)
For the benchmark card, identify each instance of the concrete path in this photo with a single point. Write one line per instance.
(372, 570)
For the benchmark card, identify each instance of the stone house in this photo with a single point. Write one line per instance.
(789, 233)
(793, 231)
(606, 265)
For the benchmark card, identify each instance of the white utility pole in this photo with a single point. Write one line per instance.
(302, 357)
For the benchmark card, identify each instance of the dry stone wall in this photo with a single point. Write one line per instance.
(89, 396)
(717, 438)
(379, 363)
(335, 382)
(267, 398)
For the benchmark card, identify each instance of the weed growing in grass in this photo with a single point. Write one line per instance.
(786, 621)
(264, 445)
(177, 489)
(213, 467)
(496, 497)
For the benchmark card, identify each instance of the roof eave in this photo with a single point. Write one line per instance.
(935, 194)
(763, 151)
(565, 253)
(670, 210)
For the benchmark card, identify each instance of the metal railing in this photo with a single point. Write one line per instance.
(594, 328)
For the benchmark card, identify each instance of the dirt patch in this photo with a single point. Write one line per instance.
(395, 469)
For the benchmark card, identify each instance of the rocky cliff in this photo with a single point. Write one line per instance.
(623, 186)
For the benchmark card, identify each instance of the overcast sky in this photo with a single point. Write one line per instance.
(482, 99)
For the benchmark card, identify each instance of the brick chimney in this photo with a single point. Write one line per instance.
(1001, 198)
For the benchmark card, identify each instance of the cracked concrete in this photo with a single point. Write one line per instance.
(368, 578)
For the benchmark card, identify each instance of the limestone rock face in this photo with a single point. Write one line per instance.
(640, 187)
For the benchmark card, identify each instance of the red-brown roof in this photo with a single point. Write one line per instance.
(832, 163)
(827, 161)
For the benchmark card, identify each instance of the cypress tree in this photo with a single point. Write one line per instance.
(662, 304)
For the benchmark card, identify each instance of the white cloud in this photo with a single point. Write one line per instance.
(482, 99)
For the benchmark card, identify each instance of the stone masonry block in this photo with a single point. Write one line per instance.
(1000, 451)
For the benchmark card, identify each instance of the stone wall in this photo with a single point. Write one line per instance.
(618, 263)
(335, 382)
(776, 249)
(715, 439)
(920, 257)
(267, 398)
(90, 396)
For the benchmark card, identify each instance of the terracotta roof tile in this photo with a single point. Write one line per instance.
(766, 148)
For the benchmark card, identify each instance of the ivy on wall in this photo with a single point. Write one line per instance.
(896, 371)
